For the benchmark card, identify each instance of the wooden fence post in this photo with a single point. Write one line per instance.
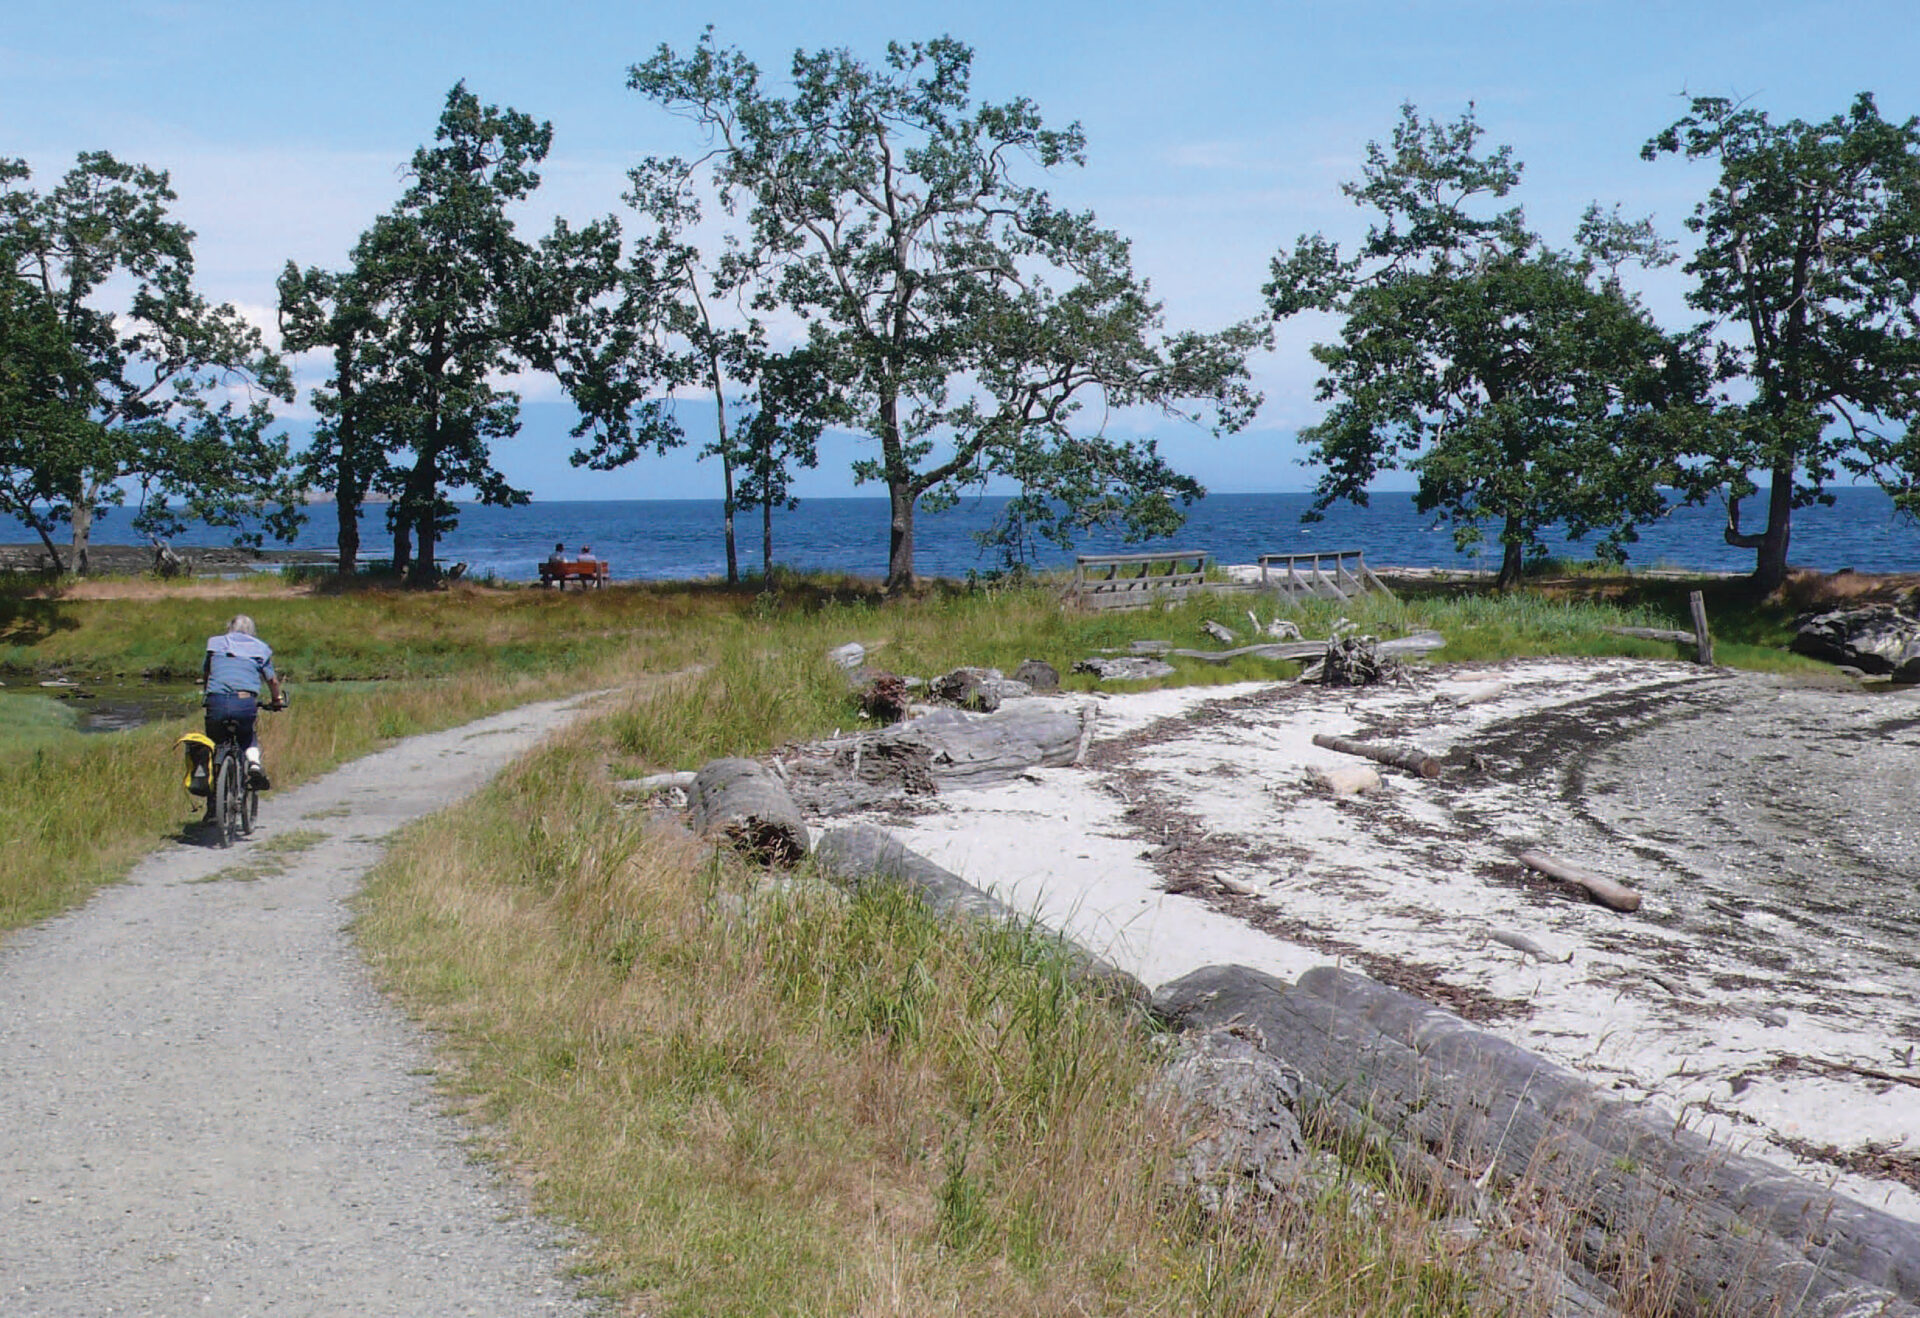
(1702, 637)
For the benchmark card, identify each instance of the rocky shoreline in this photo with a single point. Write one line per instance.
(131, 560)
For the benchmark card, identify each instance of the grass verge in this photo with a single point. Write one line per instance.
(769, 1098)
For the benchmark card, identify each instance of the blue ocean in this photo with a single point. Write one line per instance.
(684, 538)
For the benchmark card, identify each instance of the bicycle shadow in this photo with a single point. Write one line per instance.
(199, 832)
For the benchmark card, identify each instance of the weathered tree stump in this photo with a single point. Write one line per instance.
(740, 801)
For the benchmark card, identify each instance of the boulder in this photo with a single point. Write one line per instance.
(1039, 675)
(1879, 639)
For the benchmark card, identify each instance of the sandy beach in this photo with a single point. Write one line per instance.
(1767, 992)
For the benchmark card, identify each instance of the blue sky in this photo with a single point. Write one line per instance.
(1217, 132)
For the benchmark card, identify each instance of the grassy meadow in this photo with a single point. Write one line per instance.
(756, 1097)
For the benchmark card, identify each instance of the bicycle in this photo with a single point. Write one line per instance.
(233, 802)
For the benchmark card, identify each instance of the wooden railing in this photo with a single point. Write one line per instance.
(1334, 574)
(1133, 581)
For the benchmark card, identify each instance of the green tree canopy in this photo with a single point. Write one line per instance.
(1523, 386)
(117, 375)
(979, 330)
(441, 299)
(686, 319)
(1808, 271)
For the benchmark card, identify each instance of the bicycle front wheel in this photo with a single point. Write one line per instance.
(249, 806)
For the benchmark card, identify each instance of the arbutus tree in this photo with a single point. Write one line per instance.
(1808, 271)
(442, 297)
(119, 376)
(891, 211)
(1522, 386)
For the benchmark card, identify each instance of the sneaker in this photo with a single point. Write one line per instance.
(257, 779)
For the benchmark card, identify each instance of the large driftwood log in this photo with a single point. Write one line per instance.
(1418, 643)
(1467, 1111)
(943, 749)
(742, 802)
(861, 854)
(1602, 889)
(1652, 634)
(1413, 761)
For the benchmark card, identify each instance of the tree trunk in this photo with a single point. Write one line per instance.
(421, 485)
(1770, 568)
(766, 540)
(900, 537)
(348, 488)
(726, 462)
(733, 556)
(402, 538)
(82, 522)
(1513, 550)
(1770, 562)
(346, 506)
(40, 529)
(421, 573)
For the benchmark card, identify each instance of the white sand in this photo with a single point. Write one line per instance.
(1423, 872)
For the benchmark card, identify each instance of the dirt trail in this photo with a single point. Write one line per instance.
(205, 1105)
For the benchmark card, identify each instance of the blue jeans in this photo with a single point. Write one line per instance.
(242, 709)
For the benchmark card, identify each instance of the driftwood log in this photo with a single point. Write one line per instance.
(1646, 1202)
(653, 782)
(1672, 634)
(1700, 638)
(1413, 761)
(860, 854)
(943, 749)
(740, 801)
(1418, 643)
(1602, 889)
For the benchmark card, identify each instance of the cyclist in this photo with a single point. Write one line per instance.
(237, 663)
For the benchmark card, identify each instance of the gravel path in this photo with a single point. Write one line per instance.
(206, 1107)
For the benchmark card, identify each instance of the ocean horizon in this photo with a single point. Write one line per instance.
(671, 539)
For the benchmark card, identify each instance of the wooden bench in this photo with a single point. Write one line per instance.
(1134, 581)
(559, 571)
(1335, 574)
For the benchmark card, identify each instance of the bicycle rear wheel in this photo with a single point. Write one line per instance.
(226, 810)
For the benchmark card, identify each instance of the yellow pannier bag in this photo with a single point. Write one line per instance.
(199, 749)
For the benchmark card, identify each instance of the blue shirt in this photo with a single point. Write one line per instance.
(237, 664)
